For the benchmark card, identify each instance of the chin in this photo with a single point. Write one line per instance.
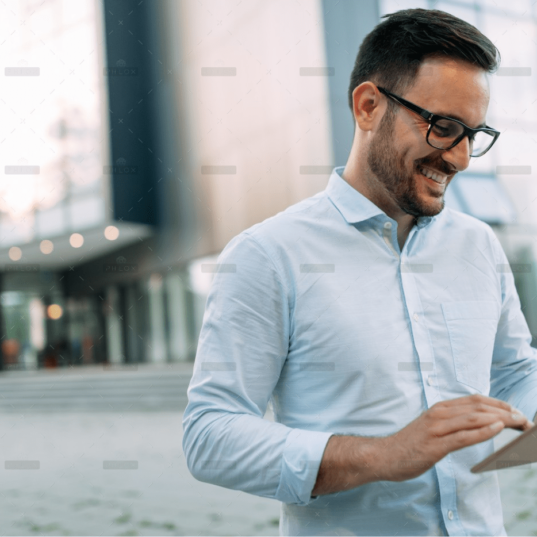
(424, 207)
(433, 208)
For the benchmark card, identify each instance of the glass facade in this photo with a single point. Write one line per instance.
(51, 129)
(56, 151)
(56, 187)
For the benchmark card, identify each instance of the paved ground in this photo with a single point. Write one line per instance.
(72, 422)
(72, 494)
(69, 492)
(519, 493)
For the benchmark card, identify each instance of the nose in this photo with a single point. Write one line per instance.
(458, 156)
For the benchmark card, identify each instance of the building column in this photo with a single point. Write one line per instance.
(157, 346)
(177, 311)
(346, 23)
(114, 337)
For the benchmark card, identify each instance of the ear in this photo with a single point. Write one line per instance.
(368, 105)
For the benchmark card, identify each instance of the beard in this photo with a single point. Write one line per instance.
(393, 177)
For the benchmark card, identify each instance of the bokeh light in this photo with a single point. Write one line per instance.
(76, 240)
(54, 311)
(46, 247)
(111, 233)
(15, 253)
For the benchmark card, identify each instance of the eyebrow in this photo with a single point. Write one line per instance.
(455, 116)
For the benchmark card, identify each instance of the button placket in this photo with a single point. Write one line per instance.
(418, 326)
(387, 234)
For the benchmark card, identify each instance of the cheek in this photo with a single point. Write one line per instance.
(413, 135)
(421, 132)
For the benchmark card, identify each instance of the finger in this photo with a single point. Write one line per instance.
(476, 420)
(446, 413)
(473, 399)
(528, 425)
(462, 439)
(475, 406)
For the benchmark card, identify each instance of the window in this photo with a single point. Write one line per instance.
(51, 129)
(481, 196)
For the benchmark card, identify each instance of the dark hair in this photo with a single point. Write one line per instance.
(391, 54)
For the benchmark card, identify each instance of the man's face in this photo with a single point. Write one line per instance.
(398, 150)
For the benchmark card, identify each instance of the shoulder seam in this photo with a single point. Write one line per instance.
(263, 250)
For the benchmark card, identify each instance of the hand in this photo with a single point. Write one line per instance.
(447, 426)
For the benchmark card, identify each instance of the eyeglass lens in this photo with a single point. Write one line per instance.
(444, 132)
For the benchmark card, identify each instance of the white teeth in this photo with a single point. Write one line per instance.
(438, 178)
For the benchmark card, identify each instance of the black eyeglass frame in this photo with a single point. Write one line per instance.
(433, 118)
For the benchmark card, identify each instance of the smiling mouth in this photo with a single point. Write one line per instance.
(441, 179)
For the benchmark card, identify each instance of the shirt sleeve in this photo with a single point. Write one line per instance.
(243, 345)
(514, 361)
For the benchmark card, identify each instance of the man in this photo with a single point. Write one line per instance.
(380, 324)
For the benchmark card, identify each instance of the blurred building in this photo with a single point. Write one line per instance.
(138, 139)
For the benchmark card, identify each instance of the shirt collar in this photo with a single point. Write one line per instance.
(354, 206)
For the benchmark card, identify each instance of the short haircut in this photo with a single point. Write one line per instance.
(391, 54)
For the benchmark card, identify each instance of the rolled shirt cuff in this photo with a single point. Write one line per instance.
(302, 456)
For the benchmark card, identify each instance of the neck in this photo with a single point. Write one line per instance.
(356, 178)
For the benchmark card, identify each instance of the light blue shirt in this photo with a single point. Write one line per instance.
(317, 311)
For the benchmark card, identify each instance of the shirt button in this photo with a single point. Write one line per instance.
(430, 383)
(450, 515)
(415, 316)
(387, 225)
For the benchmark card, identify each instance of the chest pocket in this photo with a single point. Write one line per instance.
(472, 328)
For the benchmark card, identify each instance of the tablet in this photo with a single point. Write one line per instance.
(521, 450)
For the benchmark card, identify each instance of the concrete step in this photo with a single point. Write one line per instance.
(125, 385)
(92, 405)
(96, 389)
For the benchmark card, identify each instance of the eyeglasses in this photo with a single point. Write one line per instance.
(446, 132)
